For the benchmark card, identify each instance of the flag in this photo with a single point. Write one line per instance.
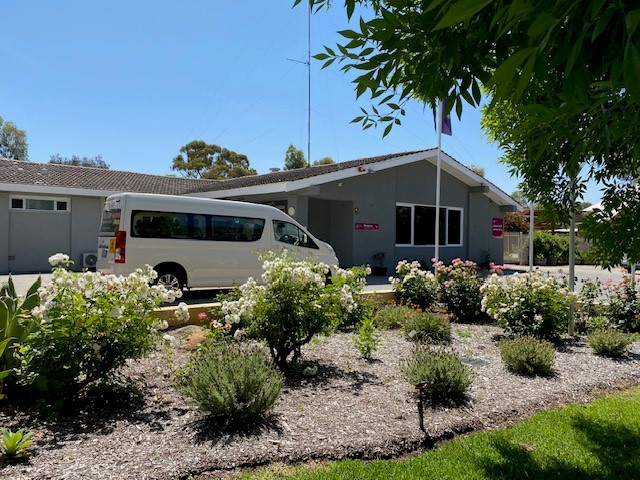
(446, 119)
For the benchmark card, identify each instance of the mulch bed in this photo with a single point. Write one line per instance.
(352, 408)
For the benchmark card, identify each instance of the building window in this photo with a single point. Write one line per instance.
(416, 225)
(41, 204)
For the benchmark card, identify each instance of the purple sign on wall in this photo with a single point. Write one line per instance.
(497, 227)
(366, 226)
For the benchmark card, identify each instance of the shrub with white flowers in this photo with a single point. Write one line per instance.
(528, 304)
(414, 286)
(293, 303)
(86, 326)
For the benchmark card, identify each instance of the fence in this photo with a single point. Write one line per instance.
(516, 247)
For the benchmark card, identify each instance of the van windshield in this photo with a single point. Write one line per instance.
(110, 223)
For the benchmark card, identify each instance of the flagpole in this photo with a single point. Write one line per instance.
(438, 166)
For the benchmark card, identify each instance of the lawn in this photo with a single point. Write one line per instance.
(599, 440)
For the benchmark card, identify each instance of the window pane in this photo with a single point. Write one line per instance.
(287, 233)
(61, 206)
(17, 203)
(424, 226)
(454, 227)
(38, 204)
(443, 226)
(110, 223)
(403, 225)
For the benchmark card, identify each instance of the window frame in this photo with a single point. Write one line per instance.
(445, 220)
(25, 200)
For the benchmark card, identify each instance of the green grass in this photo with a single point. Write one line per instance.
(597, 441)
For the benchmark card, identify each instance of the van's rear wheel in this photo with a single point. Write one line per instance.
(170, 279)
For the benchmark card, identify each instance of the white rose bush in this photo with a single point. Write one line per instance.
(293, 303)
(414, 286)
(529, 304)
(85, 327)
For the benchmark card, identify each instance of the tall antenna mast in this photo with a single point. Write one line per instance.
(308, 64)
(309, 85)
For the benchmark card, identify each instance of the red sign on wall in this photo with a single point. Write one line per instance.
(366, 226)
(497, 227)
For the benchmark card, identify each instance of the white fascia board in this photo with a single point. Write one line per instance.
(48, 190)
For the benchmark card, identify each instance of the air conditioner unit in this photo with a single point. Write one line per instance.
(89, 260)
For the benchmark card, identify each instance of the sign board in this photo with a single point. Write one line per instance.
(497, 227)
(367, 226)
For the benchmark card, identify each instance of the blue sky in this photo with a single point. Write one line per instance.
(133, 81)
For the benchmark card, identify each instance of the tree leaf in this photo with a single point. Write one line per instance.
(632, 69)
(349, 34)
(461, 11)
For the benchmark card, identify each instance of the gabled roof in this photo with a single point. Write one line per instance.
(52, 178)
(299, 173)
(16, 175)
(301, 178)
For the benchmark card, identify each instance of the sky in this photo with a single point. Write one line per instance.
(134, 81)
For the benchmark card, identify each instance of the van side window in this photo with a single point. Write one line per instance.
(195, 226)
(286, 232)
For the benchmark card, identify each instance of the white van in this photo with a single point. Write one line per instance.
(198, 242)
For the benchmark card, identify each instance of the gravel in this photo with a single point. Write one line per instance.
(352, 408)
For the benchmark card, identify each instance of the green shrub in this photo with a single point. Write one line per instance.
(294, 304)
(86, 326)
(232, 381)
(14, 444)
(588, 307)
(414, 285)
(547, 245)
(623, 308)
(459, 289)
(429, 327)
(444, 375)
(529, 304)
(609, 342)
(528, 356)
(366, 339)
(16, 324)
(392, 316)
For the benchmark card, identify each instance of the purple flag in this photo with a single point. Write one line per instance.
(446, 119)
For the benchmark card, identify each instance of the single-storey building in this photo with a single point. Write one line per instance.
(363, 207)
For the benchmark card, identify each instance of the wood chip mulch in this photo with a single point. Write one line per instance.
(352, 408)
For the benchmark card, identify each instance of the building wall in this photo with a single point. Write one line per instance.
(482, 245)
(31, 237)
(4, 233)
(375, 195)
(85, 222)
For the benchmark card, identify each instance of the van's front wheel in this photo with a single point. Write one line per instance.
(170, 279)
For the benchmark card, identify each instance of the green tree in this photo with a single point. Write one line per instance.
(323, 161)
(13, 142)
(575, 100)
(199, 159)
(515, 222)
(294, 158)
(96, 161)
